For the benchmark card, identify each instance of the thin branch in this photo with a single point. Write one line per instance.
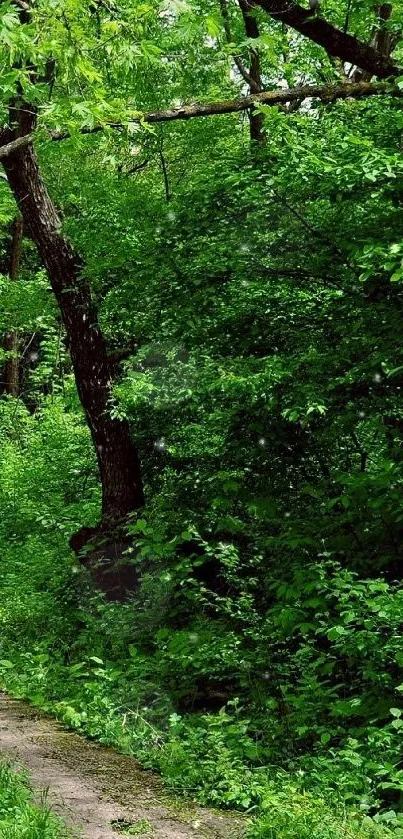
(134, 169)
(361, 451)
(236, 58)
(225, 19)
(327, 240)
(245, 75)
(347, 17)
(118, 355)
(164, 169)
(112, 10)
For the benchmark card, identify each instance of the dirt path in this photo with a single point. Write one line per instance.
(100, 793)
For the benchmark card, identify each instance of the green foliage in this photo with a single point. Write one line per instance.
(136, 828)
(291, 814)
(259, 663)
(19, 817)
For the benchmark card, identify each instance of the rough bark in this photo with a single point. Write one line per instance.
(326, 93)
(13, 145)
(12, 339)
(117, 456)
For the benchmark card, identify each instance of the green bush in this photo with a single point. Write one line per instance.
(290, 814)
(20, 818)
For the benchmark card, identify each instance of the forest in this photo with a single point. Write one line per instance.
(201, 416)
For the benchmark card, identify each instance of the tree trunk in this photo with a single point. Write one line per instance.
(382, 40)
(12, 339)
(11, 380)
(117, 456)
(251, 76)
(252, 31)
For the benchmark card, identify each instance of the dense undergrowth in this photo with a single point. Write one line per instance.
(235, 757)
(291, 713)
(20, 818)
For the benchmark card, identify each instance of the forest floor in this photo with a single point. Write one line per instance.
(100, 793)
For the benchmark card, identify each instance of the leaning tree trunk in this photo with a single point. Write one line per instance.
(116, 454)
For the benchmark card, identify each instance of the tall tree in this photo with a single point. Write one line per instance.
(116, 452)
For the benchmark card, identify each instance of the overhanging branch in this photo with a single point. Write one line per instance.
(336, 42)
(325, 93)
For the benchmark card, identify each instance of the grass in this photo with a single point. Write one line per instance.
(20, 816)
